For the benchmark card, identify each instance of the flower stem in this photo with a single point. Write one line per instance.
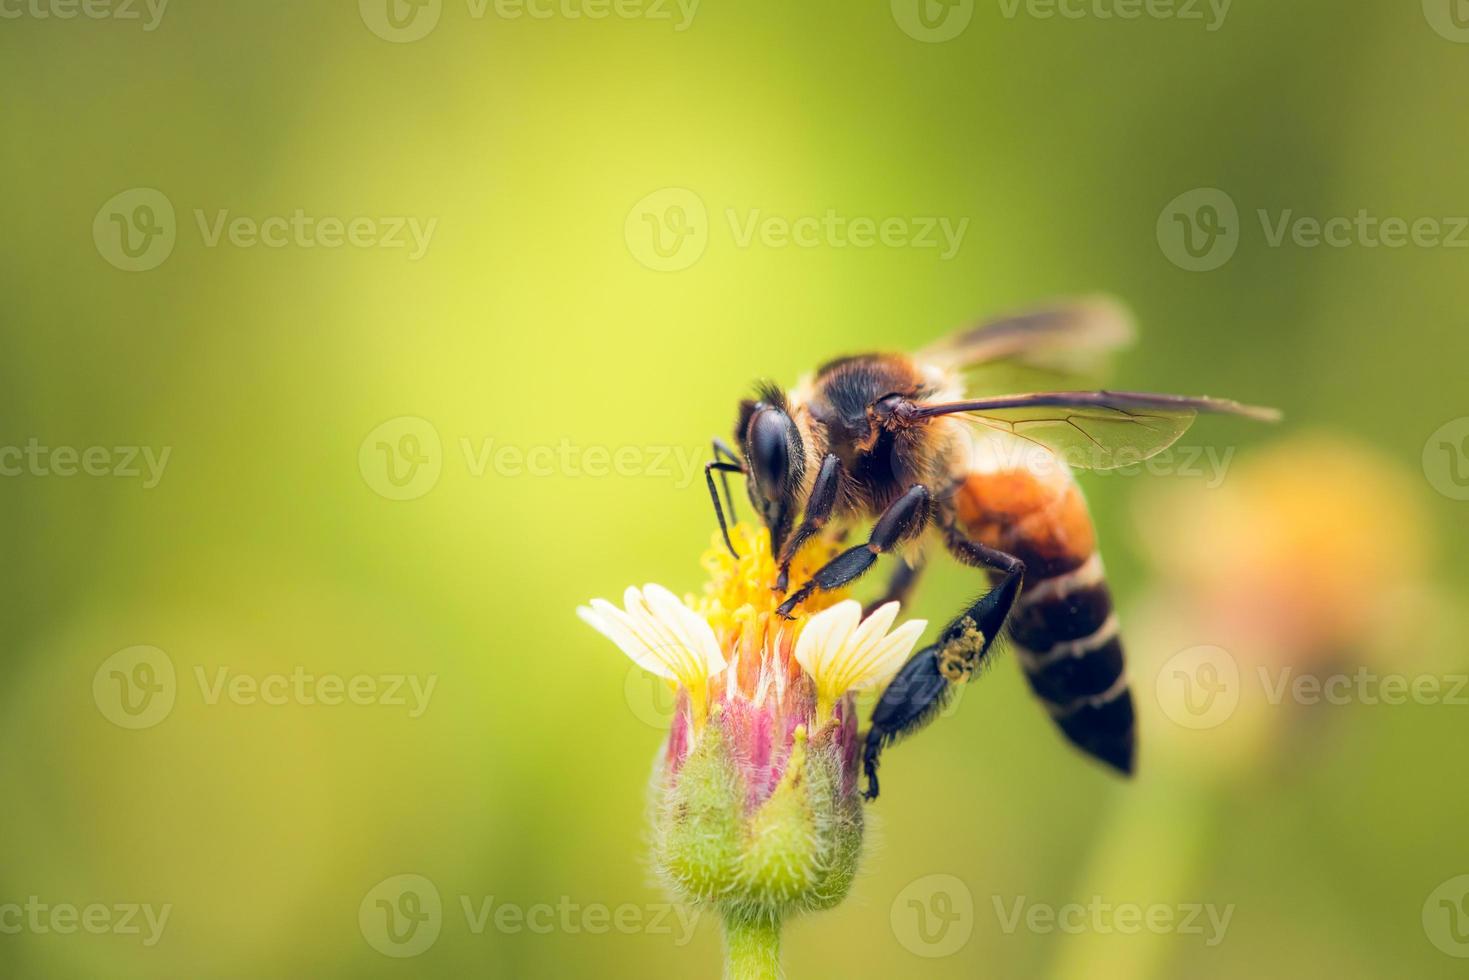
(751, 948)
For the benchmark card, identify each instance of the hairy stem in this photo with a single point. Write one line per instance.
(751, 948)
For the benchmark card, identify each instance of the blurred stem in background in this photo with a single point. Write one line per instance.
(1155, 843)
(1309, 559)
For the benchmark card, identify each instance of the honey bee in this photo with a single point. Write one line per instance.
(901, 443)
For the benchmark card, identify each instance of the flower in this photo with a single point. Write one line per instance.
(758, 811)
(844, 656)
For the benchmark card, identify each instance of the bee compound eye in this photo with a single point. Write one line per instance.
(770, 450)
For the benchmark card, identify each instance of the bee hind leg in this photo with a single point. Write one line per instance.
(925, 683)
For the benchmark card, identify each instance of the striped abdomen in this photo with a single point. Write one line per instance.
(1063, 622)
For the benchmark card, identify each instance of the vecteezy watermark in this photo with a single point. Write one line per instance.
(137, 229)
(403, 916)
(35, 459)
(1446, 459)
(1201, 687)
(1210, 13)
(149, 13)
(932, 21)
(1199, 230)
(933, 916)
(405, 21)
(95, 918)
(1363, 686)
(1208, 463)
(403, 458)
(670, 229)
(1204, 919)
(1449, 18)
(137, 688)
(1446, 917)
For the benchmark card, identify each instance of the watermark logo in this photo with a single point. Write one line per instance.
(1203, 919)
(402, 458)
(136, 687)
(1199, 229)
(136, 229)
(1211, 13)
(570, 917)
(149, 12)
(651, 699)
(1446, 459)
(934, 916)
(405, 21)
(1199, 687)
(933, 21)
(401, 916)
(1449, 18)
(38, 460)
(401, 21)
(1363, 686)
(97, 918)
(668, 230)
(1446, 917)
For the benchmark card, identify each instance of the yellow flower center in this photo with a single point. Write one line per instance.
(740, 599)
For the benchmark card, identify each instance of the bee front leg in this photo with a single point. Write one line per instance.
(723, 453)
(904, 519)
(724, 469)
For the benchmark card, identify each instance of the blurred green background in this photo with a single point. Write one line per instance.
(538, 316)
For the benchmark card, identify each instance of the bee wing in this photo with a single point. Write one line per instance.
(1067, 337)
(1097, 430)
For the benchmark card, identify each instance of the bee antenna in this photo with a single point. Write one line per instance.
(773, 395)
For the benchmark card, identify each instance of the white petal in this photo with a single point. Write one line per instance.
(865, 638)
(844, 655)
(890, 655)
(691, 629)
(659, 633)
(617, 626)
(824, 634)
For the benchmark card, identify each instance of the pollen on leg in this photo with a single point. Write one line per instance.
(960, 654)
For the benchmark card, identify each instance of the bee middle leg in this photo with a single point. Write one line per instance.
(904, 519)
(824, 492)
(925, 683)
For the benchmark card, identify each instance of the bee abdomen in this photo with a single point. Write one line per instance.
(1063, 623)
(1068, 641)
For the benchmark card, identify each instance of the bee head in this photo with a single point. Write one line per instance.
(775, 459)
